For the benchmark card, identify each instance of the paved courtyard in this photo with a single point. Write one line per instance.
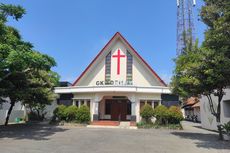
(53, 139)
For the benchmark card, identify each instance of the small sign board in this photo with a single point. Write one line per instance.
(114, 83)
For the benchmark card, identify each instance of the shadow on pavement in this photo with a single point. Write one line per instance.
(200, 127)
(204, 140)
(29, 131)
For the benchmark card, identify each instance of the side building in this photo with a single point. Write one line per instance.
(192, 109)
(208, 121)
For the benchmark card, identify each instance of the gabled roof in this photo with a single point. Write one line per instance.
(134, 51)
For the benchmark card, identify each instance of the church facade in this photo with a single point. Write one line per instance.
(117, 83)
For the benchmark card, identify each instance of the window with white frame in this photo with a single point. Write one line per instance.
(129, 75)
(108, 67)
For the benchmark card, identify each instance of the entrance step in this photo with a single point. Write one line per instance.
(106, 123)
(124, 125)
(112, 124)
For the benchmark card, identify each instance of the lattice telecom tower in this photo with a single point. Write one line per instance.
(185, 24)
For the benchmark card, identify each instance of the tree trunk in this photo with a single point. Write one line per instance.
(38, 114)
(12, 103)
(218, 112)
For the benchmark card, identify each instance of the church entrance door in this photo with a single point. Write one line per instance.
(119, 109)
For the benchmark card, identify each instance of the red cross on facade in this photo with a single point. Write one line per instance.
(118, 56)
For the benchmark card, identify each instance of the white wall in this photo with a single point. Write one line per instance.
(14, 114)
(18, 111)
(2, 116)
(6, 105)
(142, 76)
(208, 121)
(49, 110)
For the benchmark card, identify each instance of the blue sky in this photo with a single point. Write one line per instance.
(74, 31)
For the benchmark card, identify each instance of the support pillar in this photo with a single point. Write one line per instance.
(133, 111)
(153, 104)
(96, 111)
(74, 102)
(85, 102)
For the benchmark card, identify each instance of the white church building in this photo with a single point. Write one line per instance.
(117, 83)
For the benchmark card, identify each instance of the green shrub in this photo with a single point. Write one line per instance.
(140, 124)
(60, 112)
(175, 126)
(162, 114)
(175, 115)
(71, 113)
(226, 128)
(146, 112)
(145, 125)
(83, 114)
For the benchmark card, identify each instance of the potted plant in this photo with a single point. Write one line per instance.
(226, 130)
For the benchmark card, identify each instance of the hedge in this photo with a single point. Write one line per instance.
(60, 112)
(83, 114)
(146, 112)
(161, 113)
(72, 114)
(173, 115)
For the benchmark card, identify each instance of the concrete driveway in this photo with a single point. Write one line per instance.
(53, 139)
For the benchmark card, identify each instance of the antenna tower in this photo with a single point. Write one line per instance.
(185, 24)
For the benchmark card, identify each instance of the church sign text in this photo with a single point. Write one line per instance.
(114, 83)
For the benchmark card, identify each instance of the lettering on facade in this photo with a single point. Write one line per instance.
(114, 83)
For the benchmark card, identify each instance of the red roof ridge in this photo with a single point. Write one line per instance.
(119, 34)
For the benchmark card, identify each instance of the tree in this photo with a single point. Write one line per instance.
(147, 113)
(184, 81)
(25, 74)
(202, 72)
(216, 15)
(40, 91)
(162, 114)
(206, 70)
